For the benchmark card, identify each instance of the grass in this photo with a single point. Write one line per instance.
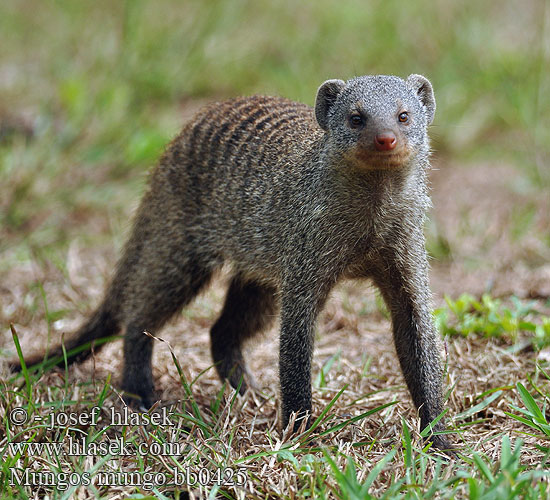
(235, 444)
(491, 318)
(201, 451)
(89, 95)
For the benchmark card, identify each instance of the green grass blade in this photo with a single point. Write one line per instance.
(478, 407)
(484, 469)
(377, 469)
(351, 420)
(24, 370)
(530, 404)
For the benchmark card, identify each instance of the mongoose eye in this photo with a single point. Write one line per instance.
(404, 117)
(356, 120)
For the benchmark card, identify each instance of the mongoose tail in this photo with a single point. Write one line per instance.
(101, 324)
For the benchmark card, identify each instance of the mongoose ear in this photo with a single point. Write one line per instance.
(326, 96)
(423, 88)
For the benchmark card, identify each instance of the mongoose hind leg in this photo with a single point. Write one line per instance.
(151, 303)
(249, 308)
(137, 375)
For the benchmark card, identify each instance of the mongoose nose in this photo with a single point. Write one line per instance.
(385, 141)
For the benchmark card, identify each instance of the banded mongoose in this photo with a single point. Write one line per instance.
(294, 199)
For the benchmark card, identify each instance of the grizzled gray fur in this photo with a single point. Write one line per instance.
(294, 199)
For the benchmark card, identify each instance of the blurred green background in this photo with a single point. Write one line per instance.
(91, 91)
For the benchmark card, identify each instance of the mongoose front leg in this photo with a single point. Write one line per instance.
(299, 309)
(404, 284)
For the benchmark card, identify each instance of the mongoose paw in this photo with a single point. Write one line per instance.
(238, 382)
(302, 424)
(442, 444)
(136, 404)
(138, 400)
(246, 381)
(239, 377)
(297, 421)
(14, 366)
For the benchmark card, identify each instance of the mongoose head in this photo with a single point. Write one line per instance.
(376, 122)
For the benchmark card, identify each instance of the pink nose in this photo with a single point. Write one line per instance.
(385, 141)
